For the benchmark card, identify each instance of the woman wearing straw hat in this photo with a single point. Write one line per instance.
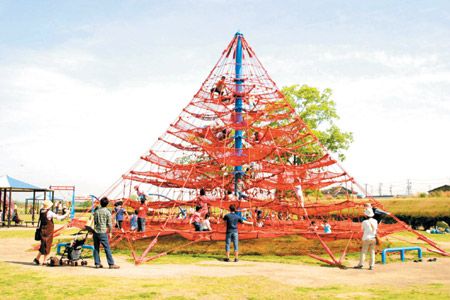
(46, 225)
(370, 227)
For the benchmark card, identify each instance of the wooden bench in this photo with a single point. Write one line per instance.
(30, 222)
(402, 251)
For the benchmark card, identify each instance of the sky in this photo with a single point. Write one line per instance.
(86, 87)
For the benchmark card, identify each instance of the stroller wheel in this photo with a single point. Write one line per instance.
(76, 264)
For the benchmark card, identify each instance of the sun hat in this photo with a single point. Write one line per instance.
(48, 204)
(369, 212)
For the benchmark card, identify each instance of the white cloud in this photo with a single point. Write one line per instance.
(82, 111)
(397, 106)
(61, 130)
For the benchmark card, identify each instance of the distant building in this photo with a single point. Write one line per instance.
(338, 191)
(443, 188)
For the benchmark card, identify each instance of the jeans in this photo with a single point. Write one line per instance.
(141, 224)
(232, 236)
(102, 238)
(368, 245)
(119, 224)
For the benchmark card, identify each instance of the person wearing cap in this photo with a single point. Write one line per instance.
(103, 224)
(369, 227)
(45, 223)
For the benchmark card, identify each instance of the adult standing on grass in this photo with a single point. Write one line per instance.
(103, 224)
(369, 227)
(47, 227)
(232, 220)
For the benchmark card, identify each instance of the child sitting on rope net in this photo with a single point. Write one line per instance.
(196, 219)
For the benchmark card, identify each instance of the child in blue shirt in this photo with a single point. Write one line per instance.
(133, 221)
(326, 226)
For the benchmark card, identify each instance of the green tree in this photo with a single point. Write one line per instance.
(318, 111)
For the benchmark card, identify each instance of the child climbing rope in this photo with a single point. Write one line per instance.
(219, 88)
(141, 195)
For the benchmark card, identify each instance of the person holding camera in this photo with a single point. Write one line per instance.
(46, 226)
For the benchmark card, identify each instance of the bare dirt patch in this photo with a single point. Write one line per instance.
(16, 251)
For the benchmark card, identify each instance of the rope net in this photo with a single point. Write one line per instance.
(279, 156)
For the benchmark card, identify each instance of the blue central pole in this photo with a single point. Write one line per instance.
(238, 107)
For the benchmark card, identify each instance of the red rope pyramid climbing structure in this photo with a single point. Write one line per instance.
(241, 142)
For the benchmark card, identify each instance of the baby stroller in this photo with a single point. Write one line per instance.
(72, 253)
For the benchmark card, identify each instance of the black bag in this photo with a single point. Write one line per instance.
(37, 233)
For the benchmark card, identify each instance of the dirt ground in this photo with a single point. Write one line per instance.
(16, 251)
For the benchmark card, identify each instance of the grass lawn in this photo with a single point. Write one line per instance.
(289, 249)
(423, 207)
(278, 250)
(17, 233)
(36, 284)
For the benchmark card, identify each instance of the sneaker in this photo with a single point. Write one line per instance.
(357, 267)
(226, 259)
(236, 260)
(114, 267)
(98, 266)
(36, 262)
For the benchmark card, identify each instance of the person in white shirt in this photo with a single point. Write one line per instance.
(206, 225)
(369, 227)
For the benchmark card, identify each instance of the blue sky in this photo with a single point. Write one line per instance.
(88, 86)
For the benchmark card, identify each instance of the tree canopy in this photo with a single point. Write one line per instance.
(318, 111)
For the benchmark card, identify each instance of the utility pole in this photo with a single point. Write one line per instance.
(390, 190)
(408, 187)
(380, 186)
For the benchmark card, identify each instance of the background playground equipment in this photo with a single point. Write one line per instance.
(64, 190)
(8, 186)
(402, 251)
(250, 141)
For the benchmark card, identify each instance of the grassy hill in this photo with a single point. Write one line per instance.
(418, 207)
